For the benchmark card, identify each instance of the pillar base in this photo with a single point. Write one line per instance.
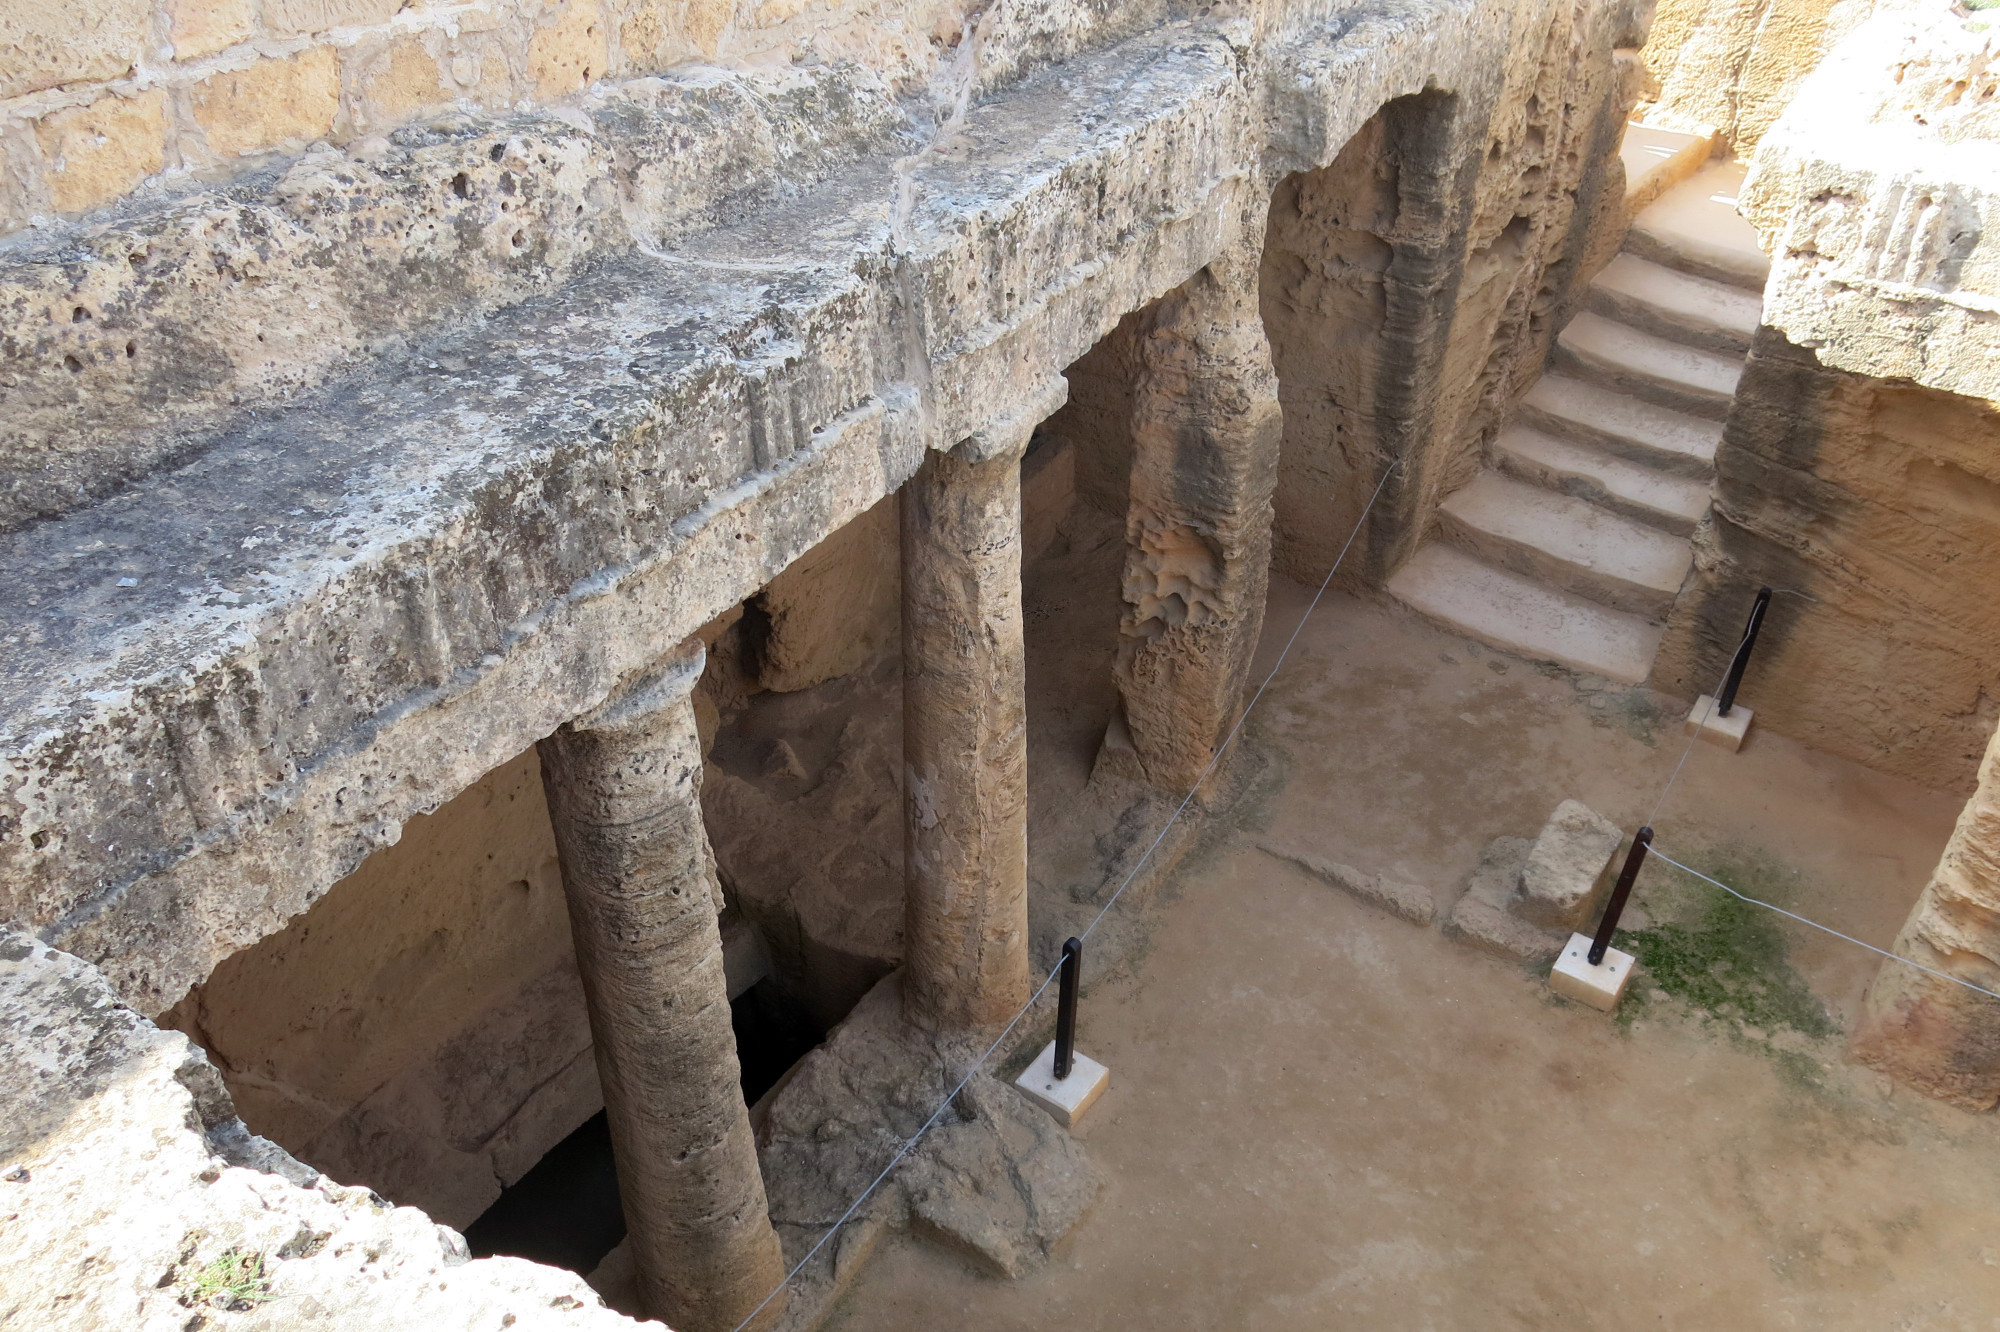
(1065, 1098)
(1601, 986)
(1727, 732)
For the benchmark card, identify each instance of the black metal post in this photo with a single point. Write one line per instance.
(1072, 966)
(1727, 698)
(1616, 906)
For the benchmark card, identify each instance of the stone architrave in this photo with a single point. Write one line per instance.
(624, 792)
(965, 745)
(1205, 432)
(1941, 1038)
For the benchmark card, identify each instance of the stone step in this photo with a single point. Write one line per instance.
(1671, 374)
(1675, 305)
(1658, 437)
(1658, 159)
(1516, 614)
(1695, 227)
(1658, 499)
(1567, 543)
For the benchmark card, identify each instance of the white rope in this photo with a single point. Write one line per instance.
(1793, 915)
(980, 1063)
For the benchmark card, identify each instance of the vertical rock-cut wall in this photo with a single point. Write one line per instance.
(1732, 65)
(1860, 465)
(834, 609)
(1096, 423)
(1880, 501)
(1941, 1037)
(421, 1030)
(1412, 287)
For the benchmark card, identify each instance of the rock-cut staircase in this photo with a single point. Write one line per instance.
(1572, 543)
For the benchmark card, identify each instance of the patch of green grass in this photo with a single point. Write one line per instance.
(232, 1279)
(1724, 956)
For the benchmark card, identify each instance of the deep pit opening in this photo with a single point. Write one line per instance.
(566, 1210)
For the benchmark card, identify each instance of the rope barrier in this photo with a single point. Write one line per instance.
(1221, 749)
(1693, 738)
(910, 1143)
(1793, 915)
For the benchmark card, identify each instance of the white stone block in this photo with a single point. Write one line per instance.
(1601, 986)
(1717, 730)
(1065, 1098)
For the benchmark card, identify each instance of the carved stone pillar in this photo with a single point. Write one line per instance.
(624, 789)
(965, 741)
(1205, 432)
(1939, 1037)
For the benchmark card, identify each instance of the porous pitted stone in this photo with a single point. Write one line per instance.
(1569, 869)
(126, 1178)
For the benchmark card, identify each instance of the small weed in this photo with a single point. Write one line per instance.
(231, 1280)
(1723, 956)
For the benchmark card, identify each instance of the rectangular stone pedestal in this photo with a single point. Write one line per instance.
(1727, 732)
(1065, 1098)
(1601, 986)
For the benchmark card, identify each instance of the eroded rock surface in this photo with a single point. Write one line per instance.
(994, 1179)
(136, 1199)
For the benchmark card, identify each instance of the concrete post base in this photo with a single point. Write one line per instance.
(1065, 1098)
(1728, 732)
(1601, 986)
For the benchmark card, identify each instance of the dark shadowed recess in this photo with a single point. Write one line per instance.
(565, 1211)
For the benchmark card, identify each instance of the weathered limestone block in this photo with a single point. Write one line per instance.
(834, 610)
(1205, 432)
(124, 340)
(1939, 1037)
(624, 787)
(125, 1176)
(44, 43)
(1570, 868)
(1001, 1185)
(965, 743)
(1877, 198)
(1484, 917)
(1526, 897)
(97, 152)
(996, 1179)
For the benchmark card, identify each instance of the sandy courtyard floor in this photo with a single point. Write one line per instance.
(1323, 1117)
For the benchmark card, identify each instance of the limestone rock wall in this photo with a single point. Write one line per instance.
(102, 102)
(1875, 504)
(1858, 466)
(335, 481)
(421, 1030)
(1732, 66)
(1943, 1038)
(128, 1178)
(245, 657)
(1412, 286)
(835, 609)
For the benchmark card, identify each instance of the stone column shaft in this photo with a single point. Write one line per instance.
(624, 790)
(1205, 432)
(965, 745)
(1942, 1038)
